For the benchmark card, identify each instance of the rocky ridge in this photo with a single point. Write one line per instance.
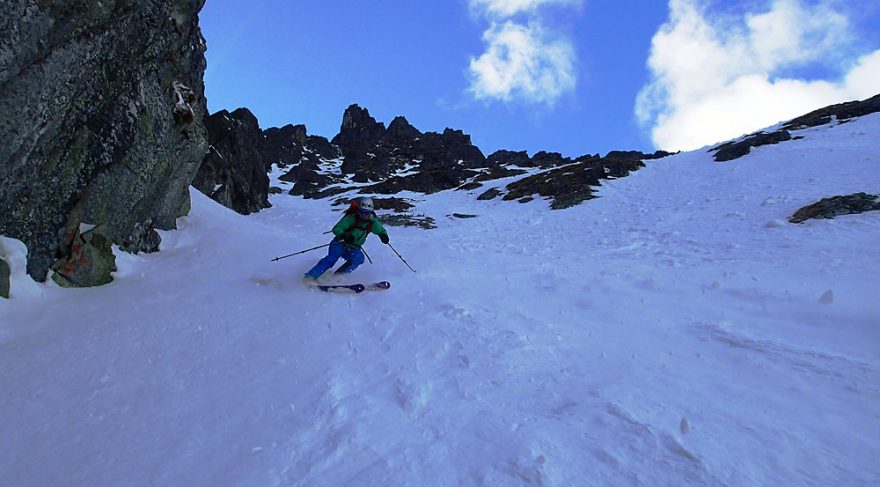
(840, 113)
(366, 157)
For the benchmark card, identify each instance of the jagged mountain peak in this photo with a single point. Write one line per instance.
(357, 121)
(400, 128)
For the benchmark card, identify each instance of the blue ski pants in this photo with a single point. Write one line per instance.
(354, 257)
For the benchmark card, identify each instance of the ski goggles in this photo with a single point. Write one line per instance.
(365, 211)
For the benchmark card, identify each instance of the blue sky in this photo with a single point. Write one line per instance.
(572, 76)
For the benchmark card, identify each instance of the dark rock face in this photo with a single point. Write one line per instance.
(100, 116)
(373, 153)
(842, 111)
(836, 206)
(634, 154)
(569, 185)
(427, 181)
(233, 172)
(4, 279)
(292, 146)
(282, 146)
(546, 160)
(401, 131)
(520, 158)
(735, 150)
(358, 135)
(322, 147)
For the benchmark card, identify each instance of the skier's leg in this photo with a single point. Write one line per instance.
(354, 258)
(334, 252)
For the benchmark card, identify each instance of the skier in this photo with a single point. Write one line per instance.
(350, 234)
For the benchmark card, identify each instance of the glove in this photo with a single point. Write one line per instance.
(384, 238)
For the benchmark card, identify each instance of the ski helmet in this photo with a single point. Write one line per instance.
(365, 205)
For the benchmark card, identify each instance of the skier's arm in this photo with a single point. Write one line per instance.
(379, 230)
(343, 225)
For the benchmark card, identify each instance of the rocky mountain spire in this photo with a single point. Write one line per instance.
(358, 129)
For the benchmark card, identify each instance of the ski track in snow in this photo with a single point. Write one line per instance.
(669, 332)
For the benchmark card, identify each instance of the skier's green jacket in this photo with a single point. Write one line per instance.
(359, 229)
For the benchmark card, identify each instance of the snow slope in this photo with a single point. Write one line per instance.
(675, 331)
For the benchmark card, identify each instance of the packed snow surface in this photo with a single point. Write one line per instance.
(674, 331)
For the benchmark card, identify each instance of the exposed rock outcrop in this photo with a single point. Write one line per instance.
(837, 205)
(360, 135)
(100, 116)
(282, 146)
(409, 220)
(372, 153)
(292, 146)
(4, 279)
(516, 158)
(842, 112)
(734, 150)
(233, 172)
(490, 194)
(143, 238)
(634, 154)
(90, 261)
(571, 184)
(401, 158)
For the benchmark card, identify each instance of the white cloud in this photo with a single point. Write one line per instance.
(864, 79)
(509, 8)
(715, 81)
(522, 62)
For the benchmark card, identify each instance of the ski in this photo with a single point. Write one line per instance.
(352, 288)
(377, 286)
(342, 288)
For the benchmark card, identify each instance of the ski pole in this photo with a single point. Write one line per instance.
(401, 258)
(300, 252)
(368, 255)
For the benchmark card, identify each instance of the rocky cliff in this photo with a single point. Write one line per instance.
(101, 107)
(233, 172)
